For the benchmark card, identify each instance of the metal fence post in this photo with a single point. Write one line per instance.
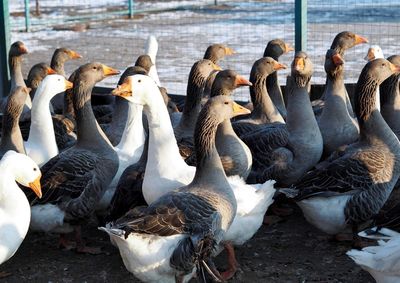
(300, 25)
(215, 2)
(4, 47)
(130, 6)
(27, 19)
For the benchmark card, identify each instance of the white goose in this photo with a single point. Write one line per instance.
(15, 212)
(166, 170)
(41, 145)
(382, 261)
(375, 52)
(151, 49)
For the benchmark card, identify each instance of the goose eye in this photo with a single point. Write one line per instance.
(226, 102)
(35, 169)
(94, 68)
(383, 64)
(59, 80)
(139, 81)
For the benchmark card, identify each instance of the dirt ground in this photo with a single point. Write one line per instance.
(289, 251)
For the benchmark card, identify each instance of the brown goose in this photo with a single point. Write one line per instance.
(275, 49)
(198, 75)
(338, 127)
(121, 107)
(189, 223)
(60, 56)
(235, 155)
(74, 181)
(304, 147)
(342, 41)
(264, 110)
(352, 187)
(11, 138)
(215, 53)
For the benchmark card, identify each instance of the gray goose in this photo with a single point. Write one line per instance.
(304, 147)
(264, 110)
(11, 138)
(74, 181)
(342, 42)
(352, 187)
(215, 53)
(235, 155)
(275, 49)
(338, 127)
(60, 56)
(189, 223)
(120, 112)
(184, 127)
(390, 102)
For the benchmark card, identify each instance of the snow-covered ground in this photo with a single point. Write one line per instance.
(183, 36)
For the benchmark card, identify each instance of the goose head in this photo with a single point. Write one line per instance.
(374, 52)
(227, 81)
(334, 63)
(145, 62)
(92, 73)
(18, 48)
(345, 40)
(25, 170)
(55, 84)
(223, 107)
(64, 54)
(380, 70)
(302, 68)
(265, 66)
(277, 47)
(216, 52)
(138, 89)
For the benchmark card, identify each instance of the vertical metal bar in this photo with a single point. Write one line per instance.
(215, 2)
(4, 47)
(130, 5)
(300, 25)
(27, 19)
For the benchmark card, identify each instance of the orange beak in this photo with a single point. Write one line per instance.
(216, 67)
(229, 51)
(298, 64)
(50, 71)
(35, 187)
(394, 68)
(241, 81)
(68, 85)
(108, 71)
(337, 59)
(74, 55)
(240, 110)
(288, 48)
(360, 39)
(22, 49)
(279, 66)
(123, 90)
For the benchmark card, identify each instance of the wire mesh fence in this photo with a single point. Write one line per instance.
(244, 25)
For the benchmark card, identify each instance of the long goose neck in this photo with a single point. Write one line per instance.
(209, 167)
(58, 65)
(15, 64)
(193, 98)
(133, 135)
(11, 137)
(68, 109)
(335, 81)
(163, 148)
(300, 118)
(88, 130)
(264, 108)
(274, 90)
(41, 129)
(390, 92)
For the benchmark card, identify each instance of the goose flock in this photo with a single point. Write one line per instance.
(173, 189)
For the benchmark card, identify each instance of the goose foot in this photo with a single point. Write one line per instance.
(4, 274)
(81, 245)
(232, 263)
(65, 244)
